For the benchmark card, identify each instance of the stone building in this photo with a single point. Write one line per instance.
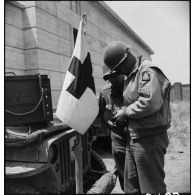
(40, 35)
(180, 92)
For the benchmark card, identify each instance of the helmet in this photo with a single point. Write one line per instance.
(114, 53)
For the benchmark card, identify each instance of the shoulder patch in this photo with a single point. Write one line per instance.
(146, 76)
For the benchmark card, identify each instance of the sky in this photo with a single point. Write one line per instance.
(164, 26)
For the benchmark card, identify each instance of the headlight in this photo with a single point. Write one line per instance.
(53, 153)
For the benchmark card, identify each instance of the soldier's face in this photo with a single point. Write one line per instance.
(116, 80)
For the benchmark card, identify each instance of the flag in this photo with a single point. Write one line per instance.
(77, 105)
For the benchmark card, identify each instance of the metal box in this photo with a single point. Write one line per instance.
(27, 100)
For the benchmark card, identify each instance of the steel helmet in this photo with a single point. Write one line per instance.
(114, 53)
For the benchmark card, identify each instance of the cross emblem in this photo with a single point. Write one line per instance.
(81, 81)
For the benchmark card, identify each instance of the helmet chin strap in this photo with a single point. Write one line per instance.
(131, 64)
(123, 58)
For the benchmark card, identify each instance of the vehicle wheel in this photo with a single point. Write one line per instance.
(20, 188)
(96, 162)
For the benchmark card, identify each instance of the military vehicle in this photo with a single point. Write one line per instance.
(39, 149)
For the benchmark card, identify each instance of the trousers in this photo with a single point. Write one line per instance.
(144, 164)
(119, 152)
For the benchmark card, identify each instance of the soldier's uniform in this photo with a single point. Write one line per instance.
(111, 100)
(146, 95)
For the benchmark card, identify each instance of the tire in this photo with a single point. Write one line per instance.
(19, 188)
(97, 163)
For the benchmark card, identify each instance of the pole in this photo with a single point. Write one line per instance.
(78, 148)
(78, 164)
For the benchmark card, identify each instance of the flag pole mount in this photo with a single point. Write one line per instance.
(84, 18)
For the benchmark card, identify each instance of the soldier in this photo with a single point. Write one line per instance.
(110, 101)
(146, 97)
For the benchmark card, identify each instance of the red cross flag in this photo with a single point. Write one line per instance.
(77, 105)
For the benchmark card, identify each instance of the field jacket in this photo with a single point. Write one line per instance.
(147, 99)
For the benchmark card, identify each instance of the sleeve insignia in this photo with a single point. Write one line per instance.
(145, 76)
(144, 93)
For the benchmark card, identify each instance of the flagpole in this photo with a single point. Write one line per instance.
(78, 147)
(79, 164)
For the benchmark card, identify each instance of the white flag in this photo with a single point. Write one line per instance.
(77, 105)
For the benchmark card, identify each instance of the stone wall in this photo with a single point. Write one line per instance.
(14, 40)
(180, 92)
(40, 38)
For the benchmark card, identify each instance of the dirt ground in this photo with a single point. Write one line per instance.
(177, 169)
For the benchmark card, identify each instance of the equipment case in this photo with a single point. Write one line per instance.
(27, 99)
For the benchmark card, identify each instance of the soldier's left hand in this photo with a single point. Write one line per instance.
(121, 115)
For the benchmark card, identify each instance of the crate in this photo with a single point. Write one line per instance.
(27, 100)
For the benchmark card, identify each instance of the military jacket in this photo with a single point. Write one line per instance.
(147, 96)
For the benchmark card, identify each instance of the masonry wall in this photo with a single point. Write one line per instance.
(185, 92)
(180, 92)
(39, 39)
(14, 40)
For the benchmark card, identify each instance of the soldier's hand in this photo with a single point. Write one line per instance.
(111, 124)
(120, 115)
